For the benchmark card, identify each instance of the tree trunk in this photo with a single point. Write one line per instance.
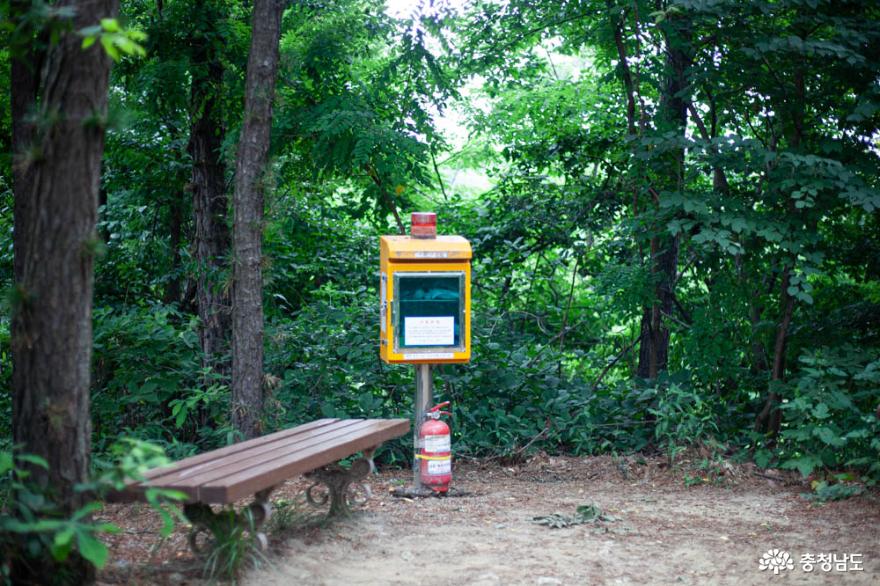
(56, 199)
(212, 239)
(654, 347)
(672, 116)
(770, 418)
(250, 180)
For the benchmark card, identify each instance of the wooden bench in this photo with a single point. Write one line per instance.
(257, 466)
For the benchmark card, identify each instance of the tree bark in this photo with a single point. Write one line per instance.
(654, 346)
(672, 115)
(769, 419)
(209, 201)
(626, 75)
(250, 180)
(56, 201)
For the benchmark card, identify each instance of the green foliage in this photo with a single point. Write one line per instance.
(129, 459)
(149, 382)
(234, 548)
(5, 383)
(32, 525)
(683, 418)
(356, 109)
(824, 491)
(829, 414)
(115, 39)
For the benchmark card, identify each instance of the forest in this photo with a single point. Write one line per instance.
(674, 209)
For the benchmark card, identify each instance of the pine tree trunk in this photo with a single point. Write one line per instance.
(250, 179)
(212, 240)
(56, 199)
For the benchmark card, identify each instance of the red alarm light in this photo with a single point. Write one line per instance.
(424, 225)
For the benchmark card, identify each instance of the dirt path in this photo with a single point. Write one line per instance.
(661, 532)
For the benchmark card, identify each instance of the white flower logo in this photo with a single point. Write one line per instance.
(776, 560)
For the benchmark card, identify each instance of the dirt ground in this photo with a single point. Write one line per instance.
(656, 531)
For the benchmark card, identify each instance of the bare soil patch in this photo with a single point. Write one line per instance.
(660, 532)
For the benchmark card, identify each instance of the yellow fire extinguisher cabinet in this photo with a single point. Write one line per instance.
(425, 300)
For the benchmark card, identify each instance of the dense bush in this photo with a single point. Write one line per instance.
(829, 413)
(149, 382)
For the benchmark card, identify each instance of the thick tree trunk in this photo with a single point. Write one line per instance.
(250, 179)
(212, 240)
(56, 199)
(654, 347)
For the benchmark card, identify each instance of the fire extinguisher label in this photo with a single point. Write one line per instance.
(438, 467)
(437, 444)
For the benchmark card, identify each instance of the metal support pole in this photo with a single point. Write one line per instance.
(424, 401)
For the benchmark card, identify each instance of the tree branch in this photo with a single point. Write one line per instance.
(611, 364)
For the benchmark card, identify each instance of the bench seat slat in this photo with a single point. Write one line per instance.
(245, 460)
(239, 485)
(180, 478)
(225, 475)
(227, 450)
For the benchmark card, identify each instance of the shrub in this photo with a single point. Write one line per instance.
(829, 422)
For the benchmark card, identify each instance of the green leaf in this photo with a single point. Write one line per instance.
(111, 50)
(86, 510)
(805, 464)
(6, 462)
(763, 458)
(62, 544)
(64, 537)
(35, 460)
(111, 25)
(91, 548)
(829, 437)
(167, 522)
(90, 31)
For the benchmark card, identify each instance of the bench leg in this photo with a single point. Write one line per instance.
(339, 483)
(210, 528)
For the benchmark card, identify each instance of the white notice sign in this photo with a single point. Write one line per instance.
(429, 331)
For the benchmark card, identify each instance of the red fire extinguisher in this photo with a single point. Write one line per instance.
(435, 469)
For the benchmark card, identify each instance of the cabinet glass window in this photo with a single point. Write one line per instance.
(430, 310)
